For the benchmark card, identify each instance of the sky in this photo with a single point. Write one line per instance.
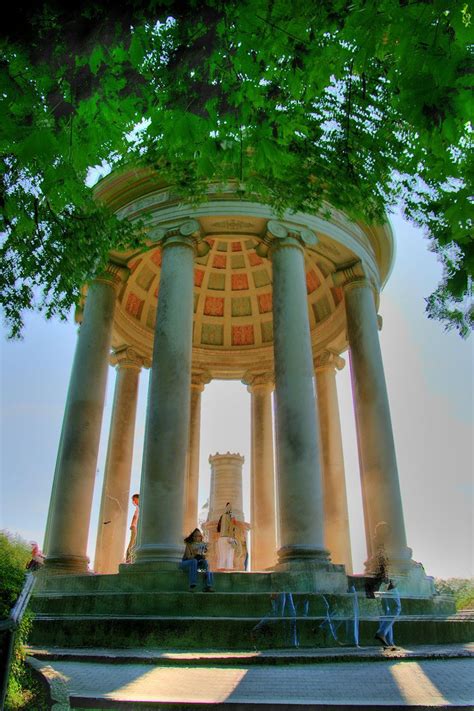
(429, 375)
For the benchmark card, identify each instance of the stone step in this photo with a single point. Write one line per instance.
(206, 658)
(232, 633)
(158, 581)
(216, 604)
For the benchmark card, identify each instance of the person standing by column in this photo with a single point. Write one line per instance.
(133, 530)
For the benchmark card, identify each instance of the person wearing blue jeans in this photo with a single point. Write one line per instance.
(391, 608)
(194, 560)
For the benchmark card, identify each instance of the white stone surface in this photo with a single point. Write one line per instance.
(71, 500)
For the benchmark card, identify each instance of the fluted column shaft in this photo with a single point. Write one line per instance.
(336, 516)
(262, 475)
(380, 485)
(167, 424)
(73, 488)
(191, 493)
(112, 526)
(299, 475)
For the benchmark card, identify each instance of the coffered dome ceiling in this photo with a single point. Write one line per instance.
(232, 324)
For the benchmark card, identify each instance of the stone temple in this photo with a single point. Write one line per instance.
(227, 290)
(224, 289)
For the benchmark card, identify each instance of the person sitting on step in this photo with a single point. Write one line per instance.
(194, 560)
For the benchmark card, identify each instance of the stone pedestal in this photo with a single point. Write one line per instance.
(73, 487)
(336, 517)
(112, 527)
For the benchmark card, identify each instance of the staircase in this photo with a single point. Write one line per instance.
(247, 611)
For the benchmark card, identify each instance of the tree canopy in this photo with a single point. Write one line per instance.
(361, 104)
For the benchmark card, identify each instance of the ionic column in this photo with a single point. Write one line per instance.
(191, 492)
(167, 424)
(299, 476)
(73, 488)
(112, 524)
(379, 474)
(262, 476)
(336, 517)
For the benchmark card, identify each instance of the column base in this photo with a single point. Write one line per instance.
(162, 553)
(308, 568)
(66, 565)
(301, 554)
(309, 577)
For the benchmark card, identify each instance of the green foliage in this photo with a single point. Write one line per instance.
(364, 105)
(14, 555)
(461, 588)
(24, 690)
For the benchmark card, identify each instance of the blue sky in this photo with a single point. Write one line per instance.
(430, 382)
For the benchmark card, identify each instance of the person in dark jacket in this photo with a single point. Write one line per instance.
(194, 560)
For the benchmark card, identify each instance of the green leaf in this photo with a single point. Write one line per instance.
(96, 59)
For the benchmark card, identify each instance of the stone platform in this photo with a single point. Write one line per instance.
(247, 611)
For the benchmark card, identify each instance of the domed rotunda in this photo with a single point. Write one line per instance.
(226, 289)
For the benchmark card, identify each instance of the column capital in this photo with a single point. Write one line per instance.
(200, 378)
(187, 233)
(328, 360)
(353, 276)
(254, 380)
(127, 357)
(280, 234)
(114, 275)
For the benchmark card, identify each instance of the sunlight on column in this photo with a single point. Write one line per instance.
(415, 686)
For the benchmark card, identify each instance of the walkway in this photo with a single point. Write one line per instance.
(441, 677)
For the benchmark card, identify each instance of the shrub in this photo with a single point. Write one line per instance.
(461, 588)
(24, 689)
(14, 555)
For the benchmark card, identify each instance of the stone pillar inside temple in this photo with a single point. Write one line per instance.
(160, 528)
(191, 492)
(112, 526)
(262, 474)
(298, 450)
(73, 488)
(336, 516)
(378, 465)
(226, 486)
